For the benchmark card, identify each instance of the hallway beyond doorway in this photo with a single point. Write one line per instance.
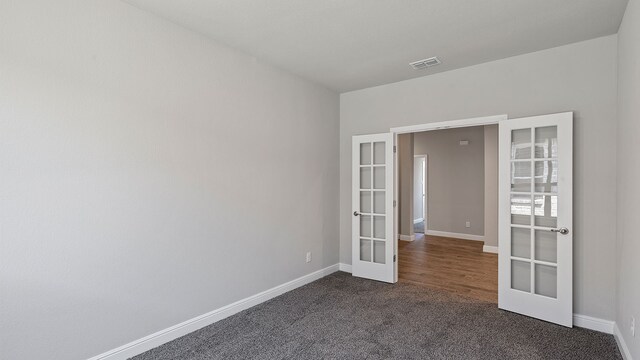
(455, 265)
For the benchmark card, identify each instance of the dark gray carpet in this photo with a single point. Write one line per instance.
(342, 317)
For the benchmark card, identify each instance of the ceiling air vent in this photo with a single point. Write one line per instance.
(423, 64)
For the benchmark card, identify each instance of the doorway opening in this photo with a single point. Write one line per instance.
(419, 193)
(448, 210)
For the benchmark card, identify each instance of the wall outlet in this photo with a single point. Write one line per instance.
(632, 328)
(309, 256)
(467, 224)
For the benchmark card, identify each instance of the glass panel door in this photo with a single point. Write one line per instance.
(372, 202)
(535, 253)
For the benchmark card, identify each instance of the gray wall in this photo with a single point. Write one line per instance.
(455, 181)
(405, 187)
(491, 185)
(580, 77)
(629, 176)
(127, 148)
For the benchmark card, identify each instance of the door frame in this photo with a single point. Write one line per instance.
(450, 124)
(424, 188)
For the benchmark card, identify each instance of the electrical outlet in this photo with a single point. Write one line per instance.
(467, 224)
(632, 328)
(309, 256)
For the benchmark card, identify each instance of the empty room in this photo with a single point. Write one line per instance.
(213, 179)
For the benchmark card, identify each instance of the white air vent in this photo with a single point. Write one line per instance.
(423, 64)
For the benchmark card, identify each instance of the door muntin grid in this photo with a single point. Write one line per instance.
(534, 210)
(373, 174)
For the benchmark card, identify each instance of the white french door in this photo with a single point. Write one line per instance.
(535, 221)
(372, 204)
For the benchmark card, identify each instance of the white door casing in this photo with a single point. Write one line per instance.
(535, 270)
(372, 203)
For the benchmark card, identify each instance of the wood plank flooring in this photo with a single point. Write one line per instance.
(455, 265)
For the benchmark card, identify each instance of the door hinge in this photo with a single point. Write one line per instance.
(394, 203)
(394, 149)
(394, 258)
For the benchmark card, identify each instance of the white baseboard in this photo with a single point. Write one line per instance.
(163, 336)
(622, 345)
(454, 235)
(490, 249)
(345, 267)
(415, 221)
(406, 237)
(591, 323)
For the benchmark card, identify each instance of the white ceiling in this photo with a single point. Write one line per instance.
(353, 44)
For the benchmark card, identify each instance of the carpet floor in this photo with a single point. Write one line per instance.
(343, 317)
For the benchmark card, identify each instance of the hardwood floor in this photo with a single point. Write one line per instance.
(455, 265)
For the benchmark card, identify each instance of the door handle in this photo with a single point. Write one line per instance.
(355, 213)
(563, 230)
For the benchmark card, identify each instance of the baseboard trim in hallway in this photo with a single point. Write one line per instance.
(454, 235)
(163, 336)
(406, 237)
(490, 249)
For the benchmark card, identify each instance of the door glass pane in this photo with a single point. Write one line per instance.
(378, 252)
(521, 209)
(365, 154)
(521, 144)
(546, 280)
(378, 177)
(521, 275)
(378, 153)
(365, 250)
(378, 202)
(521, 176)
(546, 176)
(547, 142)
(521, 242)
(378, 227)
(365, 178)
(365, 201)
(546, 246)
(546, 212)
(365, 225)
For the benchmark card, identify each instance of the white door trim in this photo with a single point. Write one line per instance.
(449, 124)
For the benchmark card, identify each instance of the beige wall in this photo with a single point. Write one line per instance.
(580, 77)
(455, 184)
(628, 175)
(127, 146)
(491, 185)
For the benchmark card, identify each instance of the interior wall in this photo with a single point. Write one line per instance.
(455, 181)
(491, 185)
(148, 176)
(405, 188)
(628, 176)
(580, 77)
